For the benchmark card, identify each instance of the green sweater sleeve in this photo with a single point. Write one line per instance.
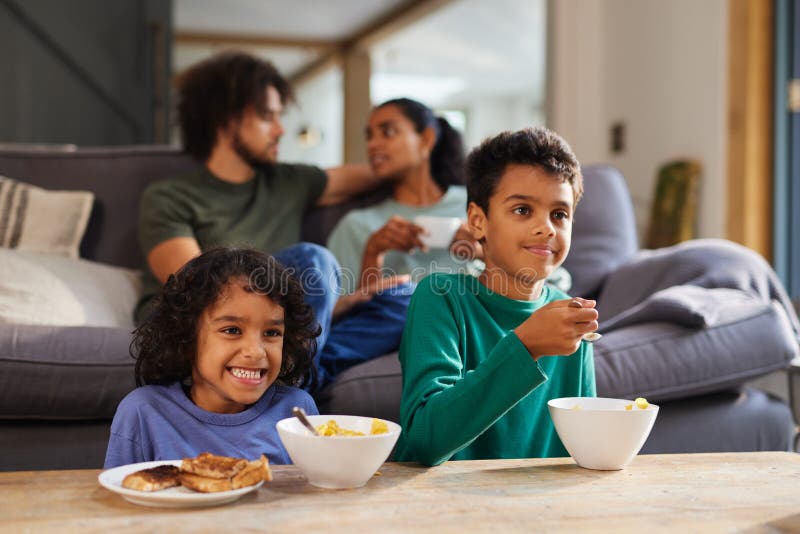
(444, 407)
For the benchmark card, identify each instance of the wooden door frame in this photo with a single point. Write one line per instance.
(750, 124)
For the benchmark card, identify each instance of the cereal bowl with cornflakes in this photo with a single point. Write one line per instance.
(346, 454)
(601, 433)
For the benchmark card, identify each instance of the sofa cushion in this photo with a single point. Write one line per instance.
(371, 389)
(32, 218)
(739, 420)
(28, 445)
(51, 372)
(664, 361)
(30, 294)
(45, 289)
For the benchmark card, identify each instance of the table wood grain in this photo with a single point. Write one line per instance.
(677, 493)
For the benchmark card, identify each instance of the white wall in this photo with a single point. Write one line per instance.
(319, 106)
(488, 116)
(658, 66)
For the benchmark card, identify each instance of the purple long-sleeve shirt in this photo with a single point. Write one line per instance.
(162, 423)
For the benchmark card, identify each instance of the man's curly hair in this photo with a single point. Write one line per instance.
(220, 89)
(165, 344)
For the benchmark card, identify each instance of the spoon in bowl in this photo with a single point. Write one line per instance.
(301, 415)
(591, 336)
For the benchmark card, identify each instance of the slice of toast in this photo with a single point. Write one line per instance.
(255, 472)
(205, 484)
(212, 466)
(153, 479)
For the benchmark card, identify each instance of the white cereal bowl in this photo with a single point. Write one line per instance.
(601, 434)
(338, 462)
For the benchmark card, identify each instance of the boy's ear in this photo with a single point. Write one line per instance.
(476, 218)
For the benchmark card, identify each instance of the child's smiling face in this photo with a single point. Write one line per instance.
(527, 231)
(239, 350)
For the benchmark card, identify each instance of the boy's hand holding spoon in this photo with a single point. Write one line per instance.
(559, 327)
(591, 336)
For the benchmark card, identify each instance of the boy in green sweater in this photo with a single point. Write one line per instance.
(482, 356)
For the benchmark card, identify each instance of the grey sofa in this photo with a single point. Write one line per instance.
(60, 385)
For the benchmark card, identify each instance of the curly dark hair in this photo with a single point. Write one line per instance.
(165, 344)
(218, 90)
(447, 155)
(531, 146)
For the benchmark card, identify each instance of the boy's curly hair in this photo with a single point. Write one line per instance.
(539, 147)
(218, 90)
(165, 344)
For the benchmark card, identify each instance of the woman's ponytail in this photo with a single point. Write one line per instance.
(447, 156)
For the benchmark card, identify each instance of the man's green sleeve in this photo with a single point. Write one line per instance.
(163, 214)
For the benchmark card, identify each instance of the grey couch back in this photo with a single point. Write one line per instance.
(116, 176)
(603, 230)
(604, 233)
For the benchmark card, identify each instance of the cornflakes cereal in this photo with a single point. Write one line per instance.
(379, 427)
(641, 403)
(331, 428)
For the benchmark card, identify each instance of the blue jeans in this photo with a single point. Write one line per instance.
(369, 330)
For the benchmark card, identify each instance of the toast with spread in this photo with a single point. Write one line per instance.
(153, 479)
(205, 473)
(213, 466)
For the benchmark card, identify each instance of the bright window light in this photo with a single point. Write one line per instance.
(430, 90)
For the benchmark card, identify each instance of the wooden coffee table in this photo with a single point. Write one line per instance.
(680, 492)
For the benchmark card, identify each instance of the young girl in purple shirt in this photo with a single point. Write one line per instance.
(218, 360)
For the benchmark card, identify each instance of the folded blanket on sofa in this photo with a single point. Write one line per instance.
(689, 306)
(635, 292)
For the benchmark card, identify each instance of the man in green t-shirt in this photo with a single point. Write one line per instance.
(230, 119)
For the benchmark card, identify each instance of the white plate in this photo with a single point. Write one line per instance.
(177, 497)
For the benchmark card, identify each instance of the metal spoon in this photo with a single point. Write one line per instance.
(591, 336)
(301, 415)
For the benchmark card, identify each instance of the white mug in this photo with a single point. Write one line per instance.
(440, 229)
